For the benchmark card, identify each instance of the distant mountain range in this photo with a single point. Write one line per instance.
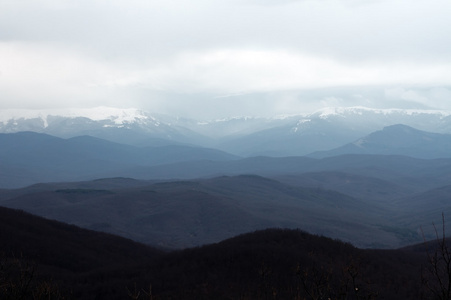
(172, 183)
(388, 197)
(29, 157)
(245, 136)
(374, 178)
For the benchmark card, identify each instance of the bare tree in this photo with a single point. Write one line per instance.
(436, 276)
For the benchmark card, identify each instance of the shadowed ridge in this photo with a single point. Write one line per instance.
(276, 261)
(51, 243)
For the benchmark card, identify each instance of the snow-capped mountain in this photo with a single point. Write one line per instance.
(300, 134)
(129, 126)
(331, 128)
(43, 118)
(375, 119)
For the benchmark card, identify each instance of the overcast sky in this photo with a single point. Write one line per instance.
(215, 58)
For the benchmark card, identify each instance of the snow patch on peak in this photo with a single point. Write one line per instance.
(301, 124)
(285, 117)
(327, 112)
(303, 121)
(360, 143)
(227, 120)
(240, 118)
(118, 116)
(334, 111)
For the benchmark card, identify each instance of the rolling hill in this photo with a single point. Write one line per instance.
(177, 214)
(63, 261)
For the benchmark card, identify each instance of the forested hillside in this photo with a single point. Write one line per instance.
(43, 259)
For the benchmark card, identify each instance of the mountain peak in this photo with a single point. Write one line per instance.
(398, 139)
(400, 128)
(101, 113)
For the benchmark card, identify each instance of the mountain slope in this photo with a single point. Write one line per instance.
(76, 263)
(397, 140)
(190, 213)
(170, 218)
(46, 259)
(299, 137)
(419, 174)
(29, 157)
(358, 186)
(425, 208)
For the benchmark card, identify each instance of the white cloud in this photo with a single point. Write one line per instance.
(170, 53)
(436, 98)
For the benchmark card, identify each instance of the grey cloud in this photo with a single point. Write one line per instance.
(383, 30)
(141, 53)
(209, 106)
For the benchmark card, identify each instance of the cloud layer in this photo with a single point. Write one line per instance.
(225, 57)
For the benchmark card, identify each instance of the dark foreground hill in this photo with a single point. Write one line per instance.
(51, 253)
(73, 263)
